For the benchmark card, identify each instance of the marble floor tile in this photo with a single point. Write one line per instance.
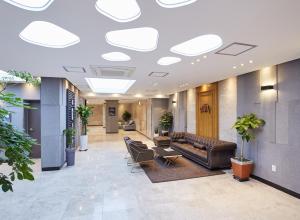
(101, 186)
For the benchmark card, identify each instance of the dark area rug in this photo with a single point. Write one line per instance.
(180, 170)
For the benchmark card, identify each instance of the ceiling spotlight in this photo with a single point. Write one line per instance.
(204, 56)
(138, 95)
(250, 61)
(192, 63)
(234, 67)
(198, 60)
(242, 64)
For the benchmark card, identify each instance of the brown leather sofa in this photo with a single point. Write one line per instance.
(209, 152)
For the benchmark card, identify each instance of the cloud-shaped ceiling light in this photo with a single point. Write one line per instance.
(120, 11)
(31, 5)
(165, 61)
(198, 45)
(116, 56)
(140, 39)
(46, 34)
(174, 3)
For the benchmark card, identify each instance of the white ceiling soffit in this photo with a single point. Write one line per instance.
(31, 5)
(235, 49)
(174, 3)
(113, 71)
(142, 39)
(166, 61)
(8, 78)
(116, 56)
(46, 34)
(120, 11)
(198, 45)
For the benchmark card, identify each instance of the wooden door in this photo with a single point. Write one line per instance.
(207, 111)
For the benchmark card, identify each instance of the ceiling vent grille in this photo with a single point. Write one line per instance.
(158, 74)
(74, 69)
(113, 71)
(235, 49)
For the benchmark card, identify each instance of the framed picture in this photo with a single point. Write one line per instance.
(111, 111)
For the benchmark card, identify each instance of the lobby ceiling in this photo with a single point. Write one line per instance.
(271, 25)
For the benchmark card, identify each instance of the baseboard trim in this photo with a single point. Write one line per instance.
(274, 185)
(144, 135)
(50, 168)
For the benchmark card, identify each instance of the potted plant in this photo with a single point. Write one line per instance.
(84, 113)
(245, 127)
(166, 122)
(126, 116)
(70, 148)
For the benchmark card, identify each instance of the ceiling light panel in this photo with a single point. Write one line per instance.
(74, 69)
(31, 5)
(139, 39)
(101, 85)
(120, 11)
(236, 49)
(199, 45)
(8, 78)
(116, 56)
(174, 3)
(46, 34)
(165, 61)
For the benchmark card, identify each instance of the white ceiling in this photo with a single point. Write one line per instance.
(272, 25)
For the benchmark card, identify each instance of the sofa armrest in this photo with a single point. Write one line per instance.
(223, 147)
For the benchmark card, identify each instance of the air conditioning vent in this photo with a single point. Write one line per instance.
(158, 74)
(235, 49)
(74, 69)
(113, 71)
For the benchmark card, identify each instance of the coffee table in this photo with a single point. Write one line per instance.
(162, 141)
(168, 154)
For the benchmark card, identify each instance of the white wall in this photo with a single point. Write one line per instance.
(191, 111)
(227, 109)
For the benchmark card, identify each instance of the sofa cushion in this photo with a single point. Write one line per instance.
(192, 149)
(181, 141)
(200, 146)
(177, 135)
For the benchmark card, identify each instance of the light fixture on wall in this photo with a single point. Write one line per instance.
(267, 87)
(173, 102)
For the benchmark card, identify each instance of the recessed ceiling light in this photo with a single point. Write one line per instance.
(204, 56)
(242, 64)
(198, 45)
(159, 96)
(140, 39)
(115, 95)
(138, 95)
(250, 61)
(174, 3)
(121, 11)
(165, 61)
(36, 5)
(8, 78)
(234, 67)
(46, 34)
(192, 63)
(198, 60)
(116, 56)
(101, 85)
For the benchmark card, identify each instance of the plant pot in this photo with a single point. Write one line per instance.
(70, 156)
(241, 169)
(83, 143)
(156, 135)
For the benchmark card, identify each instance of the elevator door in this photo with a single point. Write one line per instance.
(32, 124)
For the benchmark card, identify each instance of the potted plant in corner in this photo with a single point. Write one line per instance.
(166, 122)
(84, 113)
(245, 126)
(70, 148)
(126, 116)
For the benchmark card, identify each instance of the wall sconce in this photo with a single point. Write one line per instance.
(268, 87)
(173, 102)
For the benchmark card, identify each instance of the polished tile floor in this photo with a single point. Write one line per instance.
(101, 186)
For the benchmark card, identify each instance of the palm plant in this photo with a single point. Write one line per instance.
(166, 121)
(69, 133)
(245, 126)
(84, 113)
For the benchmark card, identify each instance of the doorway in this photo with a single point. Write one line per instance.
(207, 110)
(32, 126)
